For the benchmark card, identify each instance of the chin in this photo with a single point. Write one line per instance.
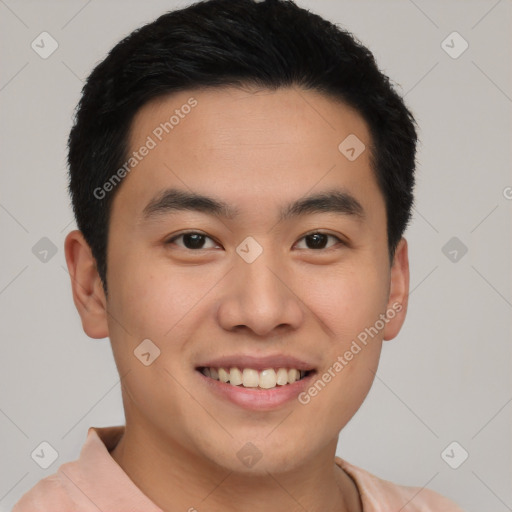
(258, 456)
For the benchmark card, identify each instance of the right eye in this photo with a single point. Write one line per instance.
(192, 240)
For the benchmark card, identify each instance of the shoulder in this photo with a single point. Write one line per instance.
(380, 495)
(48, 495)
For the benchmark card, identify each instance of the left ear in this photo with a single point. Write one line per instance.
(398, 291)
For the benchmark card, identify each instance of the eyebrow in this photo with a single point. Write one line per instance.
(330, 201)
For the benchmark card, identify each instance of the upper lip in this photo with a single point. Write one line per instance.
(257, 362)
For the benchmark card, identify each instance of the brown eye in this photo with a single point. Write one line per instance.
(192, 241)
(318, 240)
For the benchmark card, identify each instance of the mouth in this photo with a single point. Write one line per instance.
(260, 384)
(251, 378)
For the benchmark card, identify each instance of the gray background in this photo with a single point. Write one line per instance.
(447, 377)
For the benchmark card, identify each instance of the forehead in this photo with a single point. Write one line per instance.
(224, 115)
(246, 145)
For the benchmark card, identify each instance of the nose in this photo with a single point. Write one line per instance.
(260, 297)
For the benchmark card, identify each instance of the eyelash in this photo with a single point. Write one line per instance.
(175, 237)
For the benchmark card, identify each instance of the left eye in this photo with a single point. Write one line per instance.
(318, 240)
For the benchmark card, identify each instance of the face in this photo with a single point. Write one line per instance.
(281, 266)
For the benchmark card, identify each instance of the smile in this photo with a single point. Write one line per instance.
(268, 378)
(255, 390)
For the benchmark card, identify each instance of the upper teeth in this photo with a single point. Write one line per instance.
(250, 378)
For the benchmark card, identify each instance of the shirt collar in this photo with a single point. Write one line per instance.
(99, 477)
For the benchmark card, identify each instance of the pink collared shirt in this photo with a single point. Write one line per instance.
(96, 482)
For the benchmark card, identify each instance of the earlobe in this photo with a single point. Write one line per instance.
(88, 294)
(398, 292)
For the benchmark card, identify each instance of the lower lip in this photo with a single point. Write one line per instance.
(257, 399)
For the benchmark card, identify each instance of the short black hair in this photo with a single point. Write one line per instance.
(218, 43)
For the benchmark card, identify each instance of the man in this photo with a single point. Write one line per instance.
(242, 175)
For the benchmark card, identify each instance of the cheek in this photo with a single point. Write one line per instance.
(153, 301)
(347, 299)
(157, 299)
(350, 303)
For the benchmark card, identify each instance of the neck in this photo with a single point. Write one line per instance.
(175, 478)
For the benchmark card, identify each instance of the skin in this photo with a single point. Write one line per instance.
(255, 150)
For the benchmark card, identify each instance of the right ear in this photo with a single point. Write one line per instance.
(88, 294)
